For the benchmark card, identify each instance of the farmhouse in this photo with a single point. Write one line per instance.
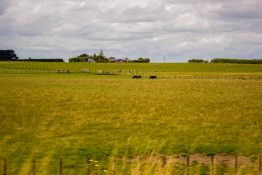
(90, 60)
(118, 60)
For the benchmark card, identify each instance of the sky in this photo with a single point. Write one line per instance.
(176, 30)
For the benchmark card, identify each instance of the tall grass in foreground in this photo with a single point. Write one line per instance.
(143, 165)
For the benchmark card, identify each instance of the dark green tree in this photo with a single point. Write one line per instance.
(7, 55)
(81, 58)
(100, 58)
(101, 53)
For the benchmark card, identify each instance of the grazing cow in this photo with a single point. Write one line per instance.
(136, 76)
(152, 77)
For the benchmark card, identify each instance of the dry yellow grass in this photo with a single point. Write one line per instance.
(74, 116)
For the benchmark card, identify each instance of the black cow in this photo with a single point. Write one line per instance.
(152, 77)
(136, 76)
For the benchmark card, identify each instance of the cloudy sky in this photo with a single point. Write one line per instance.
(176, 29)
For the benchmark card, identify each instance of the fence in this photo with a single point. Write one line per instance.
(145, 74)
(214, 164)
(212, 77)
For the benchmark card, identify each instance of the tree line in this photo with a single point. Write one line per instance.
(227, 60)
(101, 58)
(140, 60)
(236, 61)
(10, 55)
(197, 61)
(42, 60)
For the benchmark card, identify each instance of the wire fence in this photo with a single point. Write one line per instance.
(179, 164)
(131, 74)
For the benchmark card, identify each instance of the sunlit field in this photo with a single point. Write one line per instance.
(189, 109)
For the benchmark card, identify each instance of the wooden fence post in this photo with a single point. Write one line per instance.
(164, 160)
(236, 164)
(113, 166)
(33, 167)
(5, 167)
(60, 166)
(87, 166)
(187, 165)
(97, 170)
(212, 165)
(259, 164)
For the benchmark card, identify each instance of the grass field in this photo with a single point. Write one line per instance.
(46, 115)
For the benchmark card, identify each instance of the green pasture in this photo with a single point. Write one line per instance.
(46, 115)
(27, 67)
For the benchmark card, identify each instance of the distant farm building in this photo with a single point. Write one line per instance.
(113, 60)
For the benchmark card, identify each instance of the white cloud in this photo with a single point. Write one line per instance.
(3, 6)
(153, 28)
